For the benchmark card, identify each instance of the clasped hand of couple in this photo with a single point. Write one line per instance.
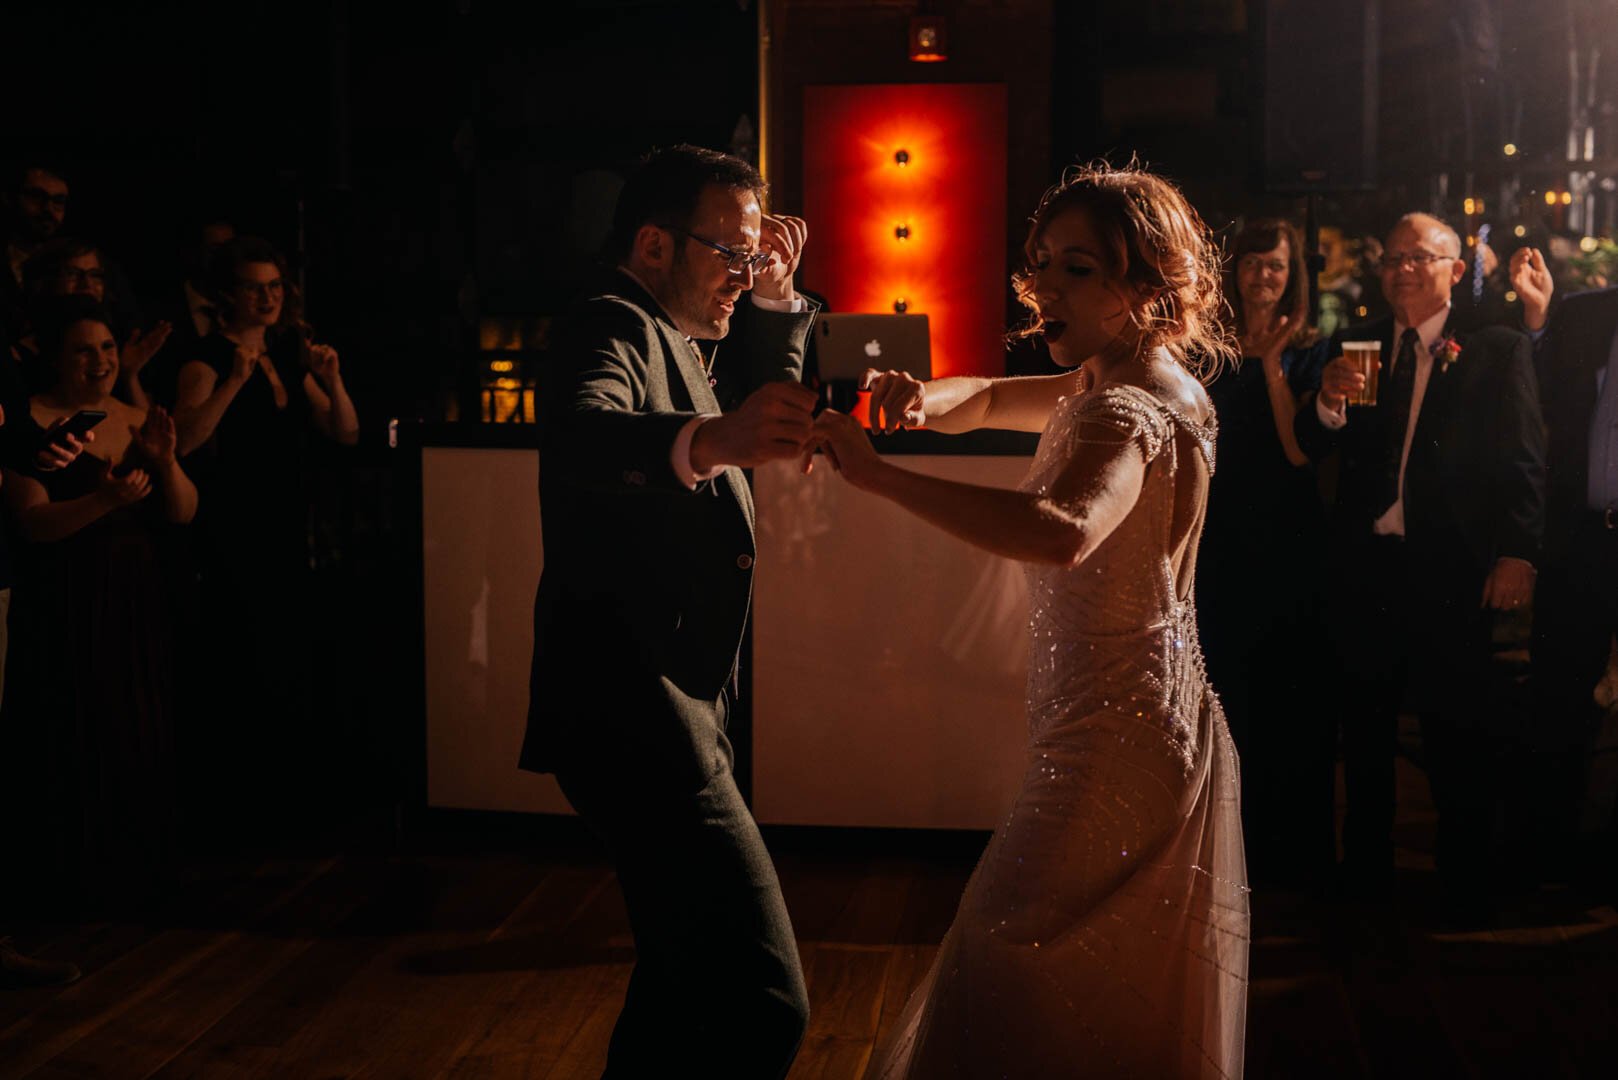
(777, 422)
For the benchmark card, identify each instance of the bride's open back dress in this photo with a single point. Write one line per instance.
(1105, 931)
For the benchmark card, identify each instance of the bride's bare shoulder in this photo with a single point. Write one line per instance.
(1177, 388)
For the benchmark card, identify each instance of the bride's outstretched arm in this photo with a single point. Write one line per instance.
(963, 402)
(1095, 492)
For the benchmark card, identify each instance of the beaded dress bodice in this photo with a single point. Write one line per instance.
(1112, 637)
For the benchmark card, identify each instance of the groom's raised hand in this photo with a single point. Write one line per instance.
(773, 423)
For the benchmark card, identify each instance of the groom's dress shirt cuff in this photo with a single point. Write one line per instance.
(680, 455)
(1332, 421)
(788, 307)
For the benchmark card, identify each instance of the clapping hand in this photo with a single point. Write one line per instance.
(243, 362)
(156, 437)
(898, 399)
(323, 363)
(1532, 280)
(783, 238)
(1268, 344)
(124, 490)
(141, 347)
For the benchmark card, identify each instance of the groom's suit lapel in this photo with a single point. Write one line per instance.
(682, 354)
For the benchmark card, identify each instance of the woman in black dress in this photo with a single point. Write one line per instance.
(1260, 549)
(90, 707)
(251, 401)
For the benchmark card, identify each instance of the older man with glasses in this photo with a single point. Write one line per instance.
(648, 536)
(1439, 517)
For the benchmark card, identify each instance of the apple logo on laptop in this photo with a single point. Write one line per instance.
(873, 348)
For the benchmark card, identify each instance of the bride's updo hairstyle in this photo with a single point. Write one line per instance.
(1158, 247)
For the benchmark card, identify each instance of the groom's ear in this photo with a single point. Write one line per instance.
(654, 246)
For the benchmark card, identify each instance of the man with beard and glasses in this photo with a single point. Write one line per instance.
(35, 207)
(649, 549)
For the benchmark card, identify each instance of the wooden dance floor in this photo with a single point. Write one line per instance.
(510, 963)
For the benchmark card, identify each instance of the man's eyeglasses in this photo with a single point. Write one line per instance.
(78, 275)
(262, 288)
(56, 201)
(1418, 260)
(735, 261)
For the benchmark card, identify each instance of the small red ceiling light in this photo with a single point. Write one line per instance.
(929, 39)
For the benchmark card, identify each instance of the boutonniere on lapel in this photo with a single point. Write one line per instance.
(1446, 351)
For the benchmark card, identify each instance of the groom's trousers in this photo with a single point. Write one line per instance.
(717, 989)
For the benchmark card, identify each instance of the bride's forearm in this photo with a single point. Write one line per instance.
(1019, 403)
(1015, 524)
(958, 403)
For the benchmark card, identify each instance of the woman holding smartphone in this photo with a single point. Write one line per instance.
(90, 706)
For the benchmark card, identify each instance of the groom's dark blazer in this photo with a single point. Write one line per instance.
(646, 583)
(1475, 480)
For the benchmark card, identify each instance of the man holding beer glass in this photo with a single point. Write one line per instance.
(1439, 517)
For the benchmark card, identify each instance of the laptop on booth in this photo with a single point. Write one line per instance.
(845, 345)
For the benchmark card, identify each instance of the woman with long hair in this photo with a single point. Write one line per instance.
(1104, 932)
(255, 404)
(1261, 628)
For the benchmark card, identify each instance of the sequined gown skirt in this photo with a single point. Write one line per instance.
(1105, 931)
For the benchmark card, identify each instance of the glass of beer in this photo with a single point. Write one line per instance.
(1364, 355)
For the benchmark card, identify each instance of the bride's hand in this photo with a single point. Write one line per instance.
(898, 399)
(848, 448)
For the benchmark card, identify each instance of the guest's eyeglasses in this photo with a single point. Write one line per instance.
(735, 261)
(1418, 260)
(1258, 262)
(261, 288)
(78, 275)
(56, 201)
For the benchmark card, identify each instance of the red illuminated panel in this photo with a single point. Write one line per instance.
(950, 196)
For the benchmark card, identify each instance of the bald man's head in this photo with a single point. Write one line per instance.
(1427, 227)
(1420, 265)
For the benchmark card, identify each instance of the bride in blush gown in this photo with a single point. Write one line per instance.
(1105, 931)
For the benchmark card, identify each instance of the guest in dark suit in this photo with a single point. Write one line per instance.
(1576, 606)
(34, 200)
(648, 534)
(1439, 520)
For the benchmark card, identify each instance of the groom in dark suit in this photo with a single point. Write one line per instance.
(1439, 518)
(648, 533)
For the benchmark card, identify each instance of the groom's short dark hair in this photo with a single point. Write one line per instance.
(665, 187)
